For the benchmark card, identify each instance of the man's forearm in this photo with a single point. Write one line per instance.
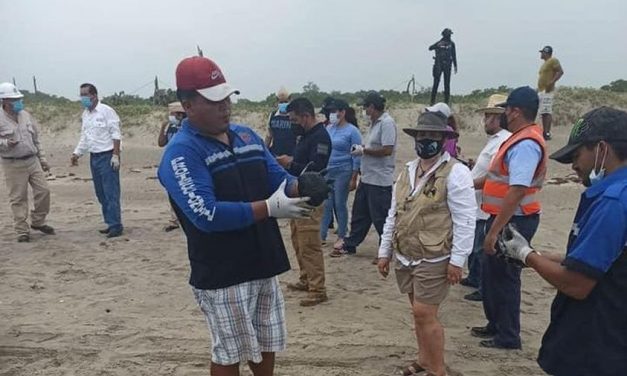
(381, 152)
(116, 147)
(573, 284)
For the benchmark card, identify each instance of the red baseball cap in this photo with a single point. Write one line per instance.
(203, 75)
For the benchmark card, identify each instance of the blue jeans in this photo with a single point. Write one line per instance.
(107, 186)
(337, 202)
(474, 260)
(501, 287)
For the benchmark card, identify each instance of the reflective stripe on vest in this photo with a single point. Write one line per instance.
(497, 180)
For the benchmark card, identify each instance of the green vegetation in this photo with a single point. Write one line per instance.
(57, 113)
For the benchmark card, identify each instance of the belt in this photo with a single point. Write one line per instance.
(102, 152)
(19, 158)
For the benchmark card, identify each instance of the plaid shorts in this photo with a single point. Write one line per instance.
(244, 320)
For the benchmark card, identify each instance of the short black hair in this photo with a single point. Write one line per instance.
(529, 114)
(91, 89)
(619, 147)
(185, 95)
(301, 106)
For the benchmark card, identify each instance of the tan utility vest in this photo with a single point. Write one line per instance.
(424, 227)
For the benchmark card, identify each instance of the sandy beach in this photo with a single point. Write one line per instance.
(80, 304)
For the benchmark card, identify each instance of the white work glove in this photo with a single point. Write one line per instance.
(281, 206)
(513, 245)
(115, 162)
(357, 150)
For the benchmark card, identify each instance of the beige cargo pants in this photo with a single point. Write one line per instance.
(308, 248)
(18, 175)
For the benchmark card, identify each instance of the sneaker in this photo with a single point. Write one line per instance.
(114, 233)
(48, 230)
(466, 282)
(24, 238)
(298, 286)
(482, 332)
(491, 344)
(474, 296)
(314, 298)
(104, 230)
(547, 136)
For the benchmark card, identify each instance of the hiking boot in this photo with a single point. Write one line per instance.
(48, 230)
(314, 298)
(468, 283)
(298, 286)
(104, 230)
(24, 238)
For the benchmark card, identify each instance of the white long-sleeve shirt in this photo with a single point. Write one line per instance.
(483, 163)
(461, 202)
(100, 127)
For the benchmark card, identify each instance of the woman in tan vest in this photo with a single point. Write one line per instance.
(430, 230)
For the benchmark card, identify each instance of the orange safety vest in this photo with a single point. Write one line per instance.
(497, 179)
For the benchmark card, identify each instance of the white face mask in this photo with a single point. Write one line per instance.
(595, 176)
(172, 119)
(333, 118)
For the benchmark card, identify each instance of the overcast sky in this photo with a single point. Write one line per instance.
(340, 45)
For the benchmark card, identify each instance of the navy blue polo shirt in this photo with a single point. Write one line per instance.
(211, 186)
(589, 336)
(283, 138)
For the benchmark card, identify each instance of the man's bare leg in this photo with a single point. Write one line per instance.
(220, 370)
(430, 337)
(266, 367)
(421, 358)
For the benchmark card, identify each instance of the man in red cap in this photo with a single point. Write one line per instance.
(220, 179)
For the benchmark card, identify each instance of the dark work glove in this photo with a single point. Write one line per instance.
(313, 185)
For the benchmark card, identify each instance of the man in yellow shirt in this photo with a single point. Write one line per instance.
(550, 72)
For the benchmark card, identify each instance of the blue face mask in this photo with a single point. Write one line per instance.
(283, 107)
(85, 101)
(18, 106)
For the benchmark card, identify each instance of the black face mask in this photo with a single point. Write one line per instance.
(428, 148)
(503, 121)
(297, 129)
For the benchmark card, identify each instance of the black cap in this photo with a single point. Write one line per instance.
(374, 98)
(603, 123)
(447, 31)
(522, 97)
(328, 105)
(547, 49)
(341, 105)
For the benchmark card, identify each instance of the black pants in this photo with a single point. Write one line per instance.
(371, 206)
(501, 287)
(438, 69)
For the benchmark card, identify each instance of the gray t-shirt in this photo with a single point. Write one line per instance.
(380, 170)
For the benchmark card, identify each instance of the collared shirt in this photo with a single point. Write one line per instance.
(379, 170)
(100, 127)
(461, 202)
(589, 336)
(24, 131)
(483, 163)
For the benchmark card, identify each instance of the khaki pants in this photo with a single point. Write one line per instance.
(308, 248)
(19, 174)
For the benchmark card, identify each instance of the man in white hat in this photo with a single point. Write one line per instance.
(430, 227)
(496, 136)
(24, 163)
(167, 131)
